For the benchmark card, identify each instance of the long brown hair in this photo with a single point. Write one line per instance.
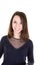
(24, 33)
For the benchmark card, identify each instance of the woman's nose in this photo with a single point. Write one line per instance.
(17, 25)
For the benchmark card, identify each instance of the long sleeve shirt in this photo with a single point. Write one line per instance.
(16, 56)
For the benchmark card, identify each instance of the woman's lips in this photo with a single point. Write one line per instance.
(17, 29)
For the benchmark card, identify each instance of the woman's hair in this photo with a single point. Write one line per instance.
(24, 33)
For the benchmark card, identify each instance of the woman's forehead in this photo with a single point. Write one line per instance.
(17, 18)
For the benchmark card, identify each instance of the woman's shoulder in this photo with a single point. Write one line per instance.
(3, 37)
(30, 42)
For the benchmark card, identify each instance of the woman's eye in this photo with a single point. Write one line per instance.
(14, 21)
(21, 23)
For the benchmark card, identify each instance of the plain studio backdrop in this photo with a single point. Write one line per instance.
(34, 12)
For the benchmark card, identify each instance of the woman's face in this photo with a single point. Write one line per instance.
(16, 24)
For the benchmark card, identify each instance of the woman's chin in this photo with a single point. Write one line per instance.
(17, 32)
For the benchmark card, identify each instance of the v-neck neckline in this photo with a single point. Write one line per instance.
(15, 47)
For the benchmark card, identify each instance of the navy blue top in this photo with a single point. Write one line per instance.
(13, 56)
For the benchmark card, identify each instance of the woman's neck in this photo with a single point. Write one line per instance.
(17, 36)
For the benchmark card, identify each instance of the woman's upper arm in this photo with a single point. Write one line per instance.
(30, 53)
(1, 46)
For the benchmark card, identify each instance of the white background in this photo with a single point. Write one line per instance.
(34, 11)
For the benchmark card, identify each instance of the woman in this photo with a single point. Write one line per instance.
(16, 46)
